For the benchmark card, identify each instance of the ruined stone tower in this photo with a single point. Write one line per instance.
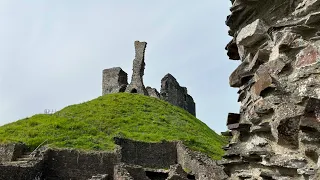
(115, 80)
(276, 135)
(173, 93)
(136, 85)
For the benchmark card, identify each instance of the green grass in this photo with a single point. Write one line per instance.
(93, 124)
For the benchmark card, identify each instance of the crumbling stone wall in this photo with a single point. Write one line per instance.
(136, 85)
(129, 172)
(10, 152)
(173, 93)
(203, 167)
(114, 80)
(151, 155)
(73, 164)
(130, 160)
(276, 133)
(29, 171)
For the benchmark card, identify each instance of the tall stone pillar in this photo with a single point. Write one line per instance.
(276, 134)
(136, 85)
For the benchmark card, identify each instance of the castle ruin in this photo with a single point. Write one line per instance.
(276, 134)
(115, 80)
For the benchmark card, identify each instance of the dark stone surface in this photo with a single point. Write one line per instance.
(173, 93)
(152, 155)
(76, 165)
(114, 80)
(29, 171)
(136, 85)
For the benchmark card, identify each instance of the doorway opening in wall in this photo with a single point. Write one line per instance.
(191, 177)
(134, 91)
(157, 175)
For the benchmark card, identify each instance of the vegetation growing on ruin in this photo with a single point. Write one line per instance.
(93, 124)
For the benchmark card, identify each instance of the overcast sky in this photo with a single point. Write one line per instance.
(52, 52)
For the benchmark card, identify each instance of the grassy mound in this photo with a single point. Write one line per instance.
(93, 124)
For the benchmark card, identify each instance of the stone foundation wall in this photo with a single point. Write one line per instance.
(31, 171)
(132, 160)
(152, 155)
(72, 164)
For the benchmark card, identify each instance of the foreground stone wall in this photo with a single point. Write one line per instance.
(29, 171)
(276, 133)
(203, 167)
(151, 155)
(72, 164)
(10, 152)
(131, 160)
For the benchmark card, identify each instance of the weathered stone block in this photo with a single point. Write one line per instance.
(310, 55)
(10, 152)
(114, 80)
(177, 173)
(252, 33)
(152, 155)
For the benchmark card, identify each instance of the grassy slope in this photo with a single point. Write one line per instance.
(91, 125)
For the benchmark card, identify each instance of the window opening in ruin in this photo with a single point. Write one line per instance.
(134, 91)
(246, 79)
(267, 91)
(157, 175)
(122, 89)
(191, 177)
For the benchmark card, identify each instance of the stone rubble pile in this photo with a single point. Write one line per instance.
(276, 135)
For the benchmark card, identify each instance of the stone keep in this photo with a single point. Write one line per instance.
(173, 93)
(136, 85)
(276, 134)
(114, 80)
